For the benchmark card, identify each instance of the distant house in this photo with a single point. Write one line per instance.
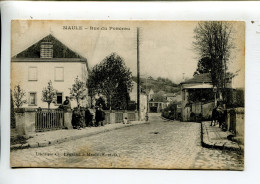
(157, 102)
(47, 60)
(169, 96)
(193, 102)
(150, 94)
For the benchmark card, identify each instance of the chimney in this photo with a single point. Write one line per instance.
(183, 77)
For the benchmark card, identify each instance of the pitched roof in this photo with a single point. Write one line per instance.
(59, 49)
(201, 78)
(170, 94)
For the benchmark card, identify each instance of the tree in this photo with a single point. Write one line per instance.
(13, 122)
(49, 94)
(19, 95)
(91, 88)
(213, 40)
(110, 78)
(101, 102)
(204, 66)
(78, 90)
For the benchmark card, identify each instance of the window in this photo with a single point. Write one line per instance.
(59, 98)
(32, 99)
(59, 74)
(32, 73)
(46, 50)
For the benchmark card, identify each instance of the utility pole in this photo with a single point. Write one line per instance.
(138, 76)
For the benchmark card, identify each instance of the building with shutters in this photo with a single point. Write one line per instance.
(47, 60)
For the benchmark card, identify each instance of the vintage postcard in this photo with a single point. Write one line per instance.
(127, 94)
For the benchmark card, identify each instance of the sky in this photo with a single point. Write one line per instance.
(165, 46)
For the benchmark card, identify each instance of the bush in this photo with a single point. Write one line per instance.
(19, 139)
(170, 112)
(235, 98)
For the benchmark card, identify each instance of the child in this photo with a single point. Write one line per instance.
(125, 121)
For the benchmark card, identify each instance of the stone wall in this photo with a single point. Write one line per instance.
(112, 116)
(25, 119)
(235, 123)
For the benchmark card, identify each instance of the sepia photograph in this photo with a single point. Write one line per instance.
(127, 94)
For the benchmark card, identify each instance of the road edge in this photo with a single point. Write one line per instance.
(207, 143)
(66, 139)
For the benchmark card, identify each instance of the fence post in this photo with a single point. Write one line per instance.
(125, 115)
(112, 117)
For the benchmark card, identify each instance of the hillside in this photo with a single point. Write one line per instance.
(159, 84)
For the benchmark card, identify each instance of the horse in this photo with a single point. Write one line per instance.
(218, 116)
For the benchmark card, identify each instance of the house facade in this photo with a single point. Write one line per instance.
(198, 97)
(47, 60)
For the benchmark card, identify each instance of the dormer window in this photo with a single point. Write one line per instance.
(46, 50)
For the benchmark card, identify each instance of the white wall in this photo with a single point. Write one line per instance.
(45, 73)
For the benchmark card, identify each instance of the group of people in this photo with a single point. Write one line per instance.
(94, 116)
(88, 117)
(85, 117)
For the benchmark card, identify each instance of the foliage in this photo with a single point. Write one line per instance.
(78, 90)
(121, 99)
(163, 84)
(132, 106)
(18, 139)
(19, 95)
(201, 95)
(49, 94)
(158, 97)
(213, 40)
(13, 123)
(204, 66)
(235, 98)
(101, 102)
(112, 79)
(170, 111)
(166, 81)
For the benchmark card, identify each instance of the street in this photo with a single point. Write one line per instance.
(156, 144)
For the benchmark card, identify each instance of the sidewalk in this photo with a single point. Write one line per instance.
(214, 137)
(48, 138)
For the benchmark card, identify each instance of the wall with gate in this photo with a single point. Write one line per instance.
(30, 120)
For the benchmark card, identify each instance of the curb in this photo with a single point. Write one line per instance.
(166, 119)
(66, 139)
(205, 142)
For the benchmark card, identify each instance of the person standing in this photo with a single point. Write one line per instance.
(93, 118)
(66, 104)
(103, 116)
(88, 117)
(98, 116)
